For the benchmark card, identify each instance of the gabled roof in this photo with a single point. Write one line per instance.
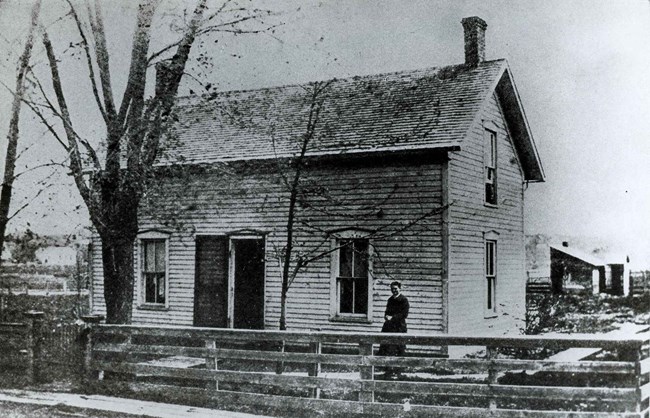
(405, 111)
(579, 254)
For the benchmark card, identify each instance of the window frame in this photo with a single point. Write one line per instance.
(143, 239)
(490, 276)
(490, 162)
(335, 293)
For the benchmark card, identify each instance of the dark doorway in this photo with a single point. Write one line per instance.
(248, 303)
(617, 279)
(211, 282)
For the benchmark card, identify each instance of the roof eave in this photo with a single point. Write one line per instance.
(518, 123)
(361, 153)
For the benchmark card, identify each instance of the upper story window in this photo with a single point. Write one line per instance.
(490, 159)
(153, 269)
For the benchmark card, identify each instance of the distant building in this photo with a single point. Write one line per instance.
(562, 268)
(57, 256)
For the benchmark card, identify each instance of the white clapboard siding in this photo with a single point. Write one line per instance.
(469, 218)
(207, 203)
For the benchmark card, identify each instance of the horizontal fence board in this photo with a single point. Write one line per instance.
(645, 366)
(467, 365)
(568, 341)
(554, 342)
(13, 329)
(236, 399)
(480, 389)
(645, 391)
(440, 388)
(232, 376)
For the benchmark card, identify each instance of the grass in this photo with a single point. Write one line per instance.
(572, 313)
(23, 410)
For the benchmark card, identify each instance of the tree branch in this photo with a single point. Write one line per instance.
(21, 208)
(167, 89)
(97, 26)
(89, 61)
(76, 165)
(133, 100)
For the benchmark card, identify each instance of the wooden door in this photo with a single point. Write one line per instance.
(211, 282)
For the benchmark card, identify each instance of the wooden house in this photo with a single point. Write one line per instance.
(416, 176)
(564, 268)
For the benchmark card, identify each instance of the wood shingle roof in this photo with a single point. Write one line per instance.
(405, 111)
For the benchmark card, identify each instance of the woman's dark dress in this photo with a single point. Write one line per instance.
(398, 309)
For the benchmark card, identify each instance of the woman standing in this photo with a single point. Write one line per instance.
(397, 310)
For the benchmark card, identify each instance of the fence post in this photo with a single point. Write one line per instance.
(634, 354)
(211, 361)
(491, 355)
(34, 340)
(366, 373)
(314, 368)
(87, 342)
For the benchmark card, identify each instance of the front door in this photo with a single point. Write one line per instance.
(211, 282)
(247, 281)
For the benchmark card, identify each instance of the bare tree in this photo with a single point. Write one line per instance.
(112, 188)
(14, 133)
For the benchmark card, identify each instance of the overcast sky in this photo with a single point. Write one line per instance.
(582, 69)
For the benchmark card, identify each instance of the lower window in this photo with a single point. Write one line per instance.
(352, 277)
(154, 270)
(491, 275)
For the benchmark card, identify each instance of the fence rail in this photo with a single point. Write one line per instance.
(338, 372)
(640, 282)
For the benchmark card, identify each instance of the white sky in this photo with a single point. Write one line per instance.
(581, 67)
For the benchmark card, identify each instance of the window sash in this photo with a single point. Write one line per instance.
(352, 280)
(353, 295)
(490, 159)
(491, 274)
(154, 270)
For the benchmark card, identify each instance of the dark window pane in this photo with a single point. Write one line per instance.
(149, 256)
(160, 256)
(161, 288)
(150, 288)
(489, 258)
(361, 296)
(360, 258)
(346, 295)
(490, 193)
(489, 294)
(345, 259)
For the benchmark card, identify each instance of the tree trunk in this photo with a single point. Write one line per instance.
(12, 137)
(283, 307)
(117, 259)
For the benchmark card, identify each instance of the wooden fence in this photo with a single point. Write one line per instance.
(640, 282)
(20, 348)
(338, 373)
(62, 345)
(36, 350)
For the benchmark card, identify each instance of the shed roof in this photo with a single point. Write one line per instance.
(405, 111)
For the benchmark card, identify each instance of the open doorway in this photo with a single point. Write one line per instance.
(247, 282)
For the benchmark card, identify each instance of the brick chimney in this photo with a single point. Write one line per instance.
(474, 40)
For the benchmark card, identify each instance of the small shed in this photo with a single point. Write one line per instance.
(561, 268)
(615, 279)
(573, 270)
